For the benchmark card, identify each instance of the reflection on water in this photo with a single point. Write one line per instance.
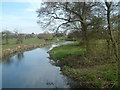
(8, 61)
(20, 56)
(32, 69)
(12, 60)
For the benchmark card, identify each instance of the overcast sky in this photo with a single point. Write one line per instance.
(21, 15)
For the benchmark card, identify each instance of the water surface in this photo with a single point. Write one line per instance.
(33, 69)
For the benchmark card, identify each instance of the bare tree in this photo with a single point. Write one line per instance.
(19, 37)
(5, 35)
(72, 15)
(109, 28)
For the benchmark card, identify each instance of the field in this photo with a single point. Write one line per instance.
(12, 42)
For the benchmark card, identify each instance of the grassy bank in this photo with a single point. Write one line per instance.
(88, 72)
(28, 44)
(12, 43)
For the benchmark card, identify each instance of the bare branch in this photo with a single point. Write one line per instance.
(61, 25)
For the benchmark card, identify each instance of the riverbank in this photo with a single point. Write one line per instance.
(12, 48)
(21, 48)
(88, 73)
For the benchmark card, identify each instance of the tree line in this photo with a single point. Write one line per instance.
(7, 35)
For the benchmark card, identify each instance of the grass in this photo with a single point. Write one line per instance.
(95, 71)
(64, 51)
(102, 76)
(12, 42)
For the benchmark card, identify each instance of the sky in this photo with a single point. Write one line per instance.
(20, 15)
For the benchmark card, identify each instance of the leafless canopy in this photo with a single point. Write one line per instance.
(70, 14)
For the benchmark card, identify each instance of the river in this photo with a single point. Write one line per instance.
(33, 69)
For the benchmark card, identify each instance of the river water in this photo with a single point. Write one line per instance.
(33, 69)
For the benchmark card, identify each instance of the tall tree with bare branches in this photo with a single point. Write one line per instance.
(69, 14)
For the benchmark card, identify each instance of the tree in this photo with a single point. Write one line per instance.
(74, 35)
(19, 37)
(69, 14)
(6, 35)
(88, 18)
(109, 29)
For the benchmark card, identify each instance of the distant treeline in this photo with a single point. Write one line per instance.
(6, 35)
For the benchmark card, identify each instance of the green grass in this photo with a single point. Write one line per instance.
(66, 50)
(102, 76)
(97, 73)
(12, 42)
(33, 41)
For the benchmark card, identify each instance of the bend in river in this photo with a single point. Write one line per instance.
(33, 69)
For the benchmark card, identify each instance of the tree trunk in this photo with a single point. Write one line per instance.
(108, 49)
(113, 42)
(85, 37)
